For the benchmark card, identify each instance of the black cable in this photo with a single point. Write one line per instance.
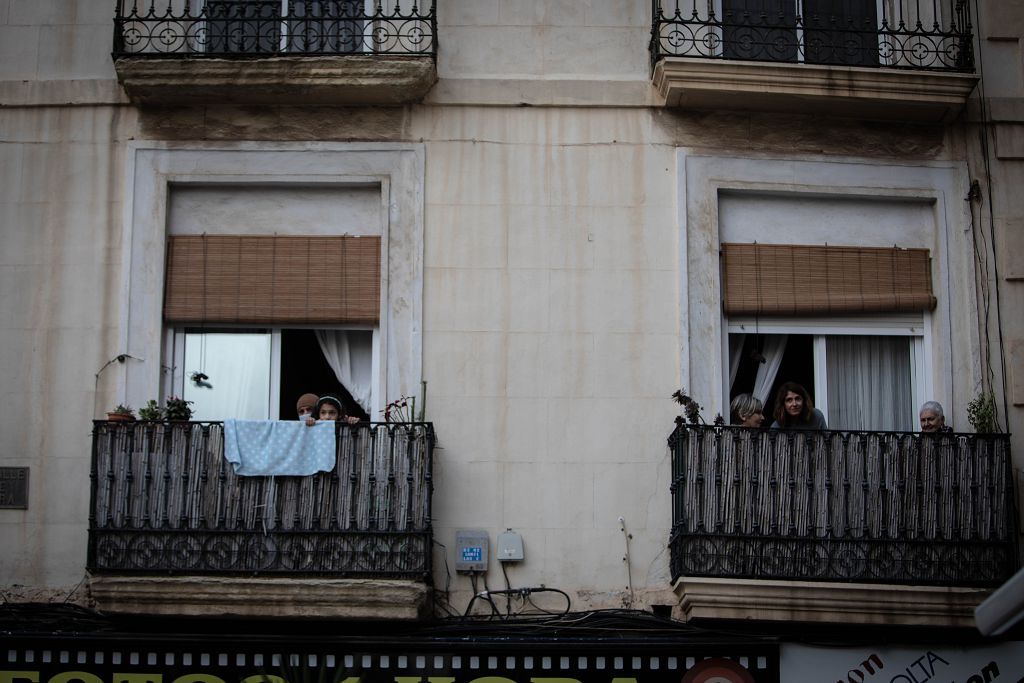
(447, 604)
(490, 601)
(527, 593)
(987, 161)
(508, 586)
(472, 582)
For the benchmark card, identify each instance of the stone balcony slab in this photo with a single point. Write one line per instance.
(207, 596)
(820, 602)
(337, 80)
(883, 94)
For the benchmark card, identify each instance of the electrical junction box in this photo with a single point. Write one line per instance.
(471, 550)
(510, 547)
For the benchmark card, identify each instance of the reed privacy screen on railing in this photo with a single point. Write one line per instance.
(164, 500)
(883, 507)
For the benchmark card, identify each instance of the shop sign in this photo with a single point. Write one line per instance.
(70, 662)
(926, 664)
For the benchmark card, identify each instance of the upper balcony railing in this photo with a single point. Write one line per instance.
(268, 28)
(897, 34)
(872, 507)
(166, 501)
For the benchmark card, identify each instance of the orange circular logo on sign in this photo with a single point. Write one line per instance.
(717, 670)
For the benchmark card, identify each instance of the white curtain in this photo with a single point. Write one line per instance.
(774, 347)
(238, 366)
(869, 383)
(350, 355)
(735, 353)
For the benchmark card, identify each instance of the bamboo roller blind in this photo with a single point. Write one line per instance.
(272, 279)
(789, 279)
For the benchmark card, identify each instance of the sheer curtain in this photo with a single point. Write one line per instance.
(869, 384)
(774, 347)
(735, 354)
(238, 365)
(350, 355)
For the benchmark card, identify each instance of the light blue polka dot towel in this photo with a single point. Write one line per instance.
(279, 447)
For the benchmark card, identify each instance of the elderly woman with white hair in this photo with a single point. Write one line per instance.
(932, 418)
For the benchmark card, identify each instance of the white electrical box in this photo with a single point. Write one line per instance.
(510, 547)
(471, 550)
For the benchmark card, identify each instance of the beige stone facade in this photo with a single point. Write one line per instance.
(554, 211)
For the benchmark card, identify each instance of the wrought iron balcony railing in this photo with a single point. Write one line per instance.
(909, 34)
(873, 507)
(267, 28)
(165, 501)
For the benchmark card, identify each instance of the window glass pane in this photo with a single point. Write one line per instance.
(841, 32)
(762, 30)
(238, 367)
(247, 26)
(325, 26)
(869, 383)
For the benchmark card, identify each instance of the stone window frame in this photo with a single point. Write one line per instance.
(152, 167)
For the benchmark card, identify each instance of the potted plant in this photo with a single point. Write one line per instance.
(151, 412)
(121, 413)
(177, 409)
(691, 409)
(981, 413)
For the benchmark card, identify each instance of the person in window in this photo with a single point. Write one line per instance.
(746, 411)
(305, 405)
(330, 408)
(932, 419)
(794, 410)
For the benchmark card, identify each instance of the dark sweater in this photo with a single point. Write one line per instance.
(816, 423)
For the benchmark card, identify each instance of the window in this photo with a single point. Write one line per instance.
(256, 321)
(257, 374)
(814, 31)
(245, 26)
(863, 374)
(329, 26)
(257, 26)
(841, 32)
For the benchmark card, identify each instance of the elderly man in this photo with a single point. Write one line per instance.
(932, 419)
(306, 405)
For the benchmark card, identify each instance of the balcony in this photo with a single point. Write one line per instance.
(927, 520)
(913, 62)
(174, 530)
(266, 52)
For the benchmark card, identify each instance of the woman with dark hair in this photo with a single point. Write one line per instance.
(794, 410)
